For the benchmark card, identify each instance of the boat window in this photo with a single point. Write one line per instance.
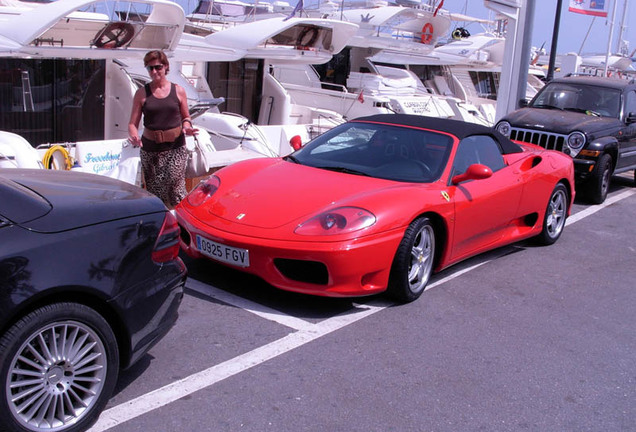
(239, 82)
(52, 100)
(486, 83)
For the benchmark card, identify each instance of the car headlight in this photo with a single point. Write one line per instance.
(337, 221)
(203, 191)
(503, 128)
(576, 140)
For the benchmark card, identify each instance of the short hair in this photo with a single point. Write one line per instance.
(157, 55)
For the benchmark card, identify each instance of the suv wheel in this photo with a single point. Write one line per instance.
(601, 180)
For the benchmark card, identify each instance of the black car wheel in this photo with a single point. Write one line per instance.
(59, 365)
(413, 263)
(601, 180)
(555, 215)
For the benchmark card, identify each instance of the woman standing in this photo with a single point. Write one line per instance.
(163, 153)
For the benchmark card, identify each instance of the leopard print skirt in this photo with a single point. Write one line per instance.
(164, 174)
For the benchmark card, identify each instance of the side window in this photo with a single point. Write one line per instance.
(478, 149)
(630, 103)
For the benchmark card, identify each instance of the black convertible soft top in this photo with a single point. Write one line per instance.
(458, 128)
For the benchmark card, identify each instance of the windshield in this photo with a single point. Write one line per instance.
(590, 99)
(382, 151)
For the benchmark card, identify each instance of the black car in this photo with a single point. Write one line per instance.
(90, 279)
(590, 118)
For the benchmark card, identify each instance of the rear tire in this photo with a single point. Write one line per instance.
(600, 182)
(58, 368)
(555, 215)
(413, 263)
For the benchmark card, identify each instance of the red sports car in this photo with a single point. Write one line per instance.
(376, 204)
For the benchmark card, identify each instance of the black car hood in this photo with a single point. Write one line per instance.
(562, 122)
(67, 200)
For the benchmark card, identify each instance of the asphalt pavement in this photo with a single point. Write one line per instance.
(523, 338)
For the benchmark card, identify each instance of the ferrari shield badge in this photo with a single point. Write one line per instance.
(445, 195)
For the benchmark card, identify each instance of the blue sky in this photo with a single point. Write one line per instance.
(573, 27)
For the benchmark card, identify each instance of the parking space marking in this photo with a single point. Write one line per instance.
(306, 332)
(178, 389)
(593, 209)
(248, 305)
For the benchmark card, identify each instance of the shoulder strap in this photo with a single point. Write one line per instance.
(148, 92)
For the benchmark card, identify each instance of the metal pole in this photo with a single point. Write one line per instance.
(609, 39)
(555, 38)
(621, 29)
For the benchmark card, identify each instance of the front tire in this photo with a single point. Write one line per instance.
(555, 215)
(413, 263)
(58, 366)
(601, 180)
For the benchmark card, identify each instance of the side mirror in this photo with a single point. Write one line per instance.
(523, 103)
(296, 142)
(474, 172)
(631, 118)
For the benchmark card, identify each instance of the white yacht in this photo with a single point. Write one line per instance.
(275, 117)
(77, 110)
(369, 76)
(62, 84)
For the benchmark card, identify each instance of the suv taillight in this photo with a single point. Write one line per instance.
(167, 244)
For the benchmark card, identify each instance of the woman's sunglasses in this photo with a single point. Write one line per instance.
(155, 67)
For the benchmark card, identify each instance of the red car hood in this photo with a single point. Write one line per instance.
(269, 193)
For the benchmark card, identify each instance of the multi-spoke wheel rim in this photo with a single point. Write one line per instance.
(556, 213)
(422, 254)
(56, 376)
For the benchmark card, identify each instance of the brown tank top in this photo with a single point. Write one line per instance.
(162, 114)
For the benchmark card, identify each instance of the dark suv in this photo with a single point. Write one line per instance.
(591, 119)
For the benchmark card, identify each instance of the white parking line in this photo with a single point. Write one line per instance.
(306, 332)
(178, 389)
(593, 209)
(248, 305)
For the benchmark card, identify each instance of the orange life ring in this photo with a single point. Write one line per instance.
(427, 33)
(114, 35)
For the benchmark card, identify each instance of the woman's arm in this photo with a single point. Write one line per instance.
(135, 118)
(186, 121)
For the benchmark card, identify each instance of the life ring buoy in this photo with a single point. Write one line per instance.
(427, 33)
(114, 35)
(307, 37)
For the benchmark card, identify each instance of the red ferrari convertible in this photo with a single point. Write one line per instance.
(376, 204)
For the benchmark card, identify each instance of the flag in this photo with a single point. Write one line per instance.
(361, 96)
(298, 8)
(438, 7)
(590, 7)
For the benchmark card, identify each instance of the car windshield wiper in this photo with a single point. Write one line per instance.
(344, 170)
(546, 106)
(582, 110)
(291, 158)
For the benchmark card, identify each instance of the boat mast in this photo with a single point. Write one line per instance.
(609, 39)
(621, 30)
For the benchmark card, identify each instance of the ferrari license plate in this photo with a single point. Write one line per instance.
(221, 252)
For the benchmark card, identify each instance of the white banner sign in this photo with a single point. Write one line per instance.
(590, 7)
